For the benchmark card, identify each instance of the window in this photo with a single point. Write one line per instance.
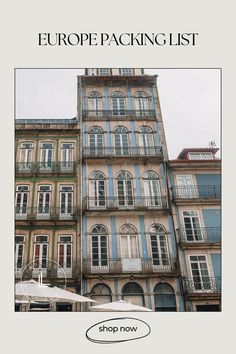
(99, 247)
(133, 292)
(129, 244)
(44, 197)
(22, 196)
(65, 255)
(95, 104)
(125, 189)
(67, 156)
(104, 71)
(26, 156)
(192, 226)
(164, 298)
(200, 274)
(19, 253)
(146, 141)
(200, 156)
(96, 141)
(152, 189)
(118, 104)
(40, 252)
(97, 190)
(141, 104)
(160, 254)
(121, 141)
(186, 189)
(126, 71)
(46, 156)
(101, 293)
(66, 201)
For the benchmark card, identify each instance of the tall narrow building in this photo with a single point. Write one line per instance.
(128, 241)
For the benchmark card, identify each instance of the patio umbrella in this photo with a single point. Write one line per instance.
(120, 305)
(33, 290)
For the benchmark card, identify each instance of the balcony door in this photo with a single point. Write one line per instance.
(46, 156)
(66, 202)
(22, 195)
(146, 141)
(67, 157)
(192, 226)
(99, 248)
(200, 273)
(44, 197)
(40, 255)
(19, 253)
(65, 256)
(152, 190)
(129, 249)
(26, 156)
(121, 141)
(118, 104)
(141, 104)
(125, 189)
(186, 187)
(96, 143)
(95, 104)
(97, 190)
(159, 247)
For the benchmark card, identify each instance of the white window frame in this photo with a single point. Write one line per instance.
(200, 156)
(98, 144)
(126, 71)
(67, 163)
(38, 270)
(64, 270)
(185, 192)
(118, 108)
(97, 201)
(208, 269)
(18, 270)
(21, 214)
(120, 137)
(95, 103)
(106, 72)
(26, 156)
(126, 197)
(45, 163)
(44, 214)
(161, 266)
(192, 226)
(67, 214)
(99, 268)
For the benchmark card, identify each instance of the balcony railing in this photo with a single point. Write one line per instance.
(48, 167)
(119, 113)
(45, 213)
(50, 272)
(129, 151)
(195, 191)
(123, 203)
(203, 285)
(199, 235)
(129, 265)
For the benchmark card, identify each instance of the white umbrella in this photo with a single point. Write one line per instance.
(120, 305)
(33, 290)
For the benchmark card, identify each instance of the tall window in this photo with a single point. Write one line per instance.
(26, 156)
(129, 242)
(126, 71)
(101, 293)
(146, 141)
(22, 196)
(66, 201)
(96, 141)
(185, 186)
(152, 189)
(133, 292)
(19, 253)
(67, 156)
(121, 141)
(40, 252)
(46, 156)
(164, 297)
(95, 104)
(97, 190)
(160, 254)
(99, 243)
(118, 104)
(200, 274)
(44, 197)
(125, 189)
(141, 103)
(65, 254)
(192, 226)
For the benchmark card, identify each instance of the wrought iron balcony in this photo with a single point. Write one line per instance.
(202, 285)
(50, 271)
(118, 113)
(129, 265)
(123, 203)
(45, 167)
(129, 151)
(196, 191)
(199, 235)
(45, 213)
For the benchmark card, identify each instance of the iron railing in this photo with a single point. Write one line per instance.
(197, 191)
(131, 265)
(121, 203)
(202, 285)
(129, 151)
(46, 213)
(48, 167)
(199, 234)
(49, 272)
(116, 113)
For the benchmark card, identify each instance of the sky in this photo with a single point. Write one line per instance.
(189, 99)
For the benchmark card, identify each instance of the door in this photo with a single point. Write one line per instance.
(200, 273)
(46, 156)
(99, 252)
(118, 104)
(65, 256)
(40, 255)
(44, 196)
(26, 156)
(125, 189)
(192, 226)
(97, 191)
(66, 202)
(121, 141)
(67, 157)
(159, 247)
(96, 142)
(152, 191)
(22, 194)
(146, 141)
(185, 187)
(141, 104)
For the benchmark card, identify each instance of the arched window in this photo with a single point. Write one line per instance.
(141, 103)
(159, 246)
(164, 297)
(121, 141)
(129, 242)
(146, 141)
(118, 104)
(101, 293)
(96, 190)
(133, 292)
(125, 189)
(96, 141)
(99, 241)
(152, 191)
(95, 103)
